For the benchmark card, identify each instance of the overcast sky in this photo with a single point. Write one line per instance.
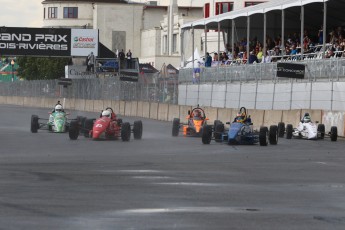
(21, 13)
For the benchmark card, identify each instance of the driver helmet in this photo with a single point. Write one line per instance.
(106, 113)
(306, 117)
(197, 113)
(58, 108)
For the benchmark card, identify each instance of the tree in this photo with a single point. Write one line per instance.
(38, 68)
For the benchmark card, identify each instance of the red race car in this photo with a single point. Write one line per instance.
(107, 126)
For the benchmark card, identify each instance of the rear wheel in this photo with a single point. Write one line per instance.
(88, 125)
(281, 129)
(273, 135)
(218, 131)
(321, 130)
(263, 136)
(334, 133)
(176, 127)
(73, 131)
(289, 130)
(137, 130)
(34, 124)
(206, 134)
(125, 131)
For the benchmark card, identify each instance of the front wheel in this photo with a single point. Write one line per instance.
(137, 130)
(218, 131)
(334, 133)
(289, 131)
(34, 124)
(88, 125)
(206, 134)
(273, 135)
(321, 130)
(281, 129)
(73, 131)
(125, 131)
(263, 136)
(176, 127)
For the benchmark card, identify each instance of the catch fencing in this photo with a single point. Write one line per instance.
(156, 90)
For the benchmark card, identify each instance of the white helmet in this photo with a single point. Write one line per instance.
(58, 108)
(106, 113)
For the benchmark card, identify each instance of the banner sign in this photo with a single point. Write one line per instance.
(55, 42)
(290, 70)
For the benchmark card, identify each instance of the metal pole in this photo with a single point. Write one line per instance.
(205, 41)
(233, 38)
(324, 29)
(302, 32)
(283, 35)
(218, 42)
(193, 47)
(264, 40)
(248, 35)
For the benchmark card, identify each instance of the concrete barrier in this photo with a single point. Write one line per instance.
(140, 109)
(173, 112)
(115, 105)
(98, 105)
(80, 104)
(154, 111)
(89, 105)
(224, 115)
(272, 117)
(3, 100)
(146, 109)
(122, 107)
(291, 117)
(315, 115)
(134, 107)
(163, 110)
(211, 114)
(108, 103)
(257, 116)
(128, 107)
(334, 118)
(184, 112)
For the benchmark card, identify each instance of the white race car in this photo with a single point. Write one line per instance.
(307, 130)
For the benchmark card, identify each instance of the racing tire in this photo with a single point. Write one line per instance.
(176, 127)
(334, 133)
(273, 135)
(73, 131)
(125, 131)
(289, 130)
(88, 125)
(263, 136)
(321, 130)
(218, 131)
(281, 129)
(34, 124)
(216, 122)
(137, 130)
(206, 134)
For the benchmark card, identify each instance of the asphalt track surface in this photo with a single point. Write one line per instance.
(162, 182)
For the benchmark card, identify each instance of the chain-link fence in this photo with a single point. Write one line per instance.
(149, 88)
(316, 70)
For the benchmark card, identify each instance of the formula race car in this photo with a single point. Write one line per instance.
(107, 126)
(196, 121)
(307, 129)
(57, 122)
(240, 132)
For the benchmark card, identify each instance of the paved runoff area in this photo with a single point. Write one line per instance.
(162, 182)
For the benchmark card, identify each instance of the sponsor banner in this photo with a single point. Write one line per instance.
(290, 70)
(55, 42)
(84, 42)
(78, 72)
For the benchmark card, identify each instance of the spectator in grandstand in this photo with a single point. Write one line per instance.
(215, 57)
(259, 54)
(252, 58)
(129, 59)
(267, 58)
(208, 60)
(91, 62)
(320, 35)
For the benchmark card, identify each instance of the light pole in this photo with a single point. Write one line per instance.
(12, 64)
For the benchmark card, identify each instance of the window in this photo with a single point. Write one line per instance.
(174, 45)
(70, 12)
(52, 12)
(207, 10)
(165, 44)
(246, 4)
(223, 7)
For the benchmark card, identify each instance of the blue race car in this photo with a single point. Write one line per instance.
(240, 132)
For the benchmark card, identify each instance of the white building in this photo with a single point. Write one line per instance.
(150, 29)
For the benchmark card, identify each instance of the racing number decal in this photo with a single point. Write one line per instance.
(99, 125)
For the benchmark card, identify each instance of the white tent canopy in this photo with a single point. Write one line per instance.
(247, 11)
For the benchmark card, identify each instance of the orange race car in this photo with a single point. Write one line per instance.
(196, 121)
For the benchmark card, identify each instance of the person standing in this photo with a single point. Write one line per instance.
(208, 60)
(129, 59)
(91, 62)
(122, 59)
